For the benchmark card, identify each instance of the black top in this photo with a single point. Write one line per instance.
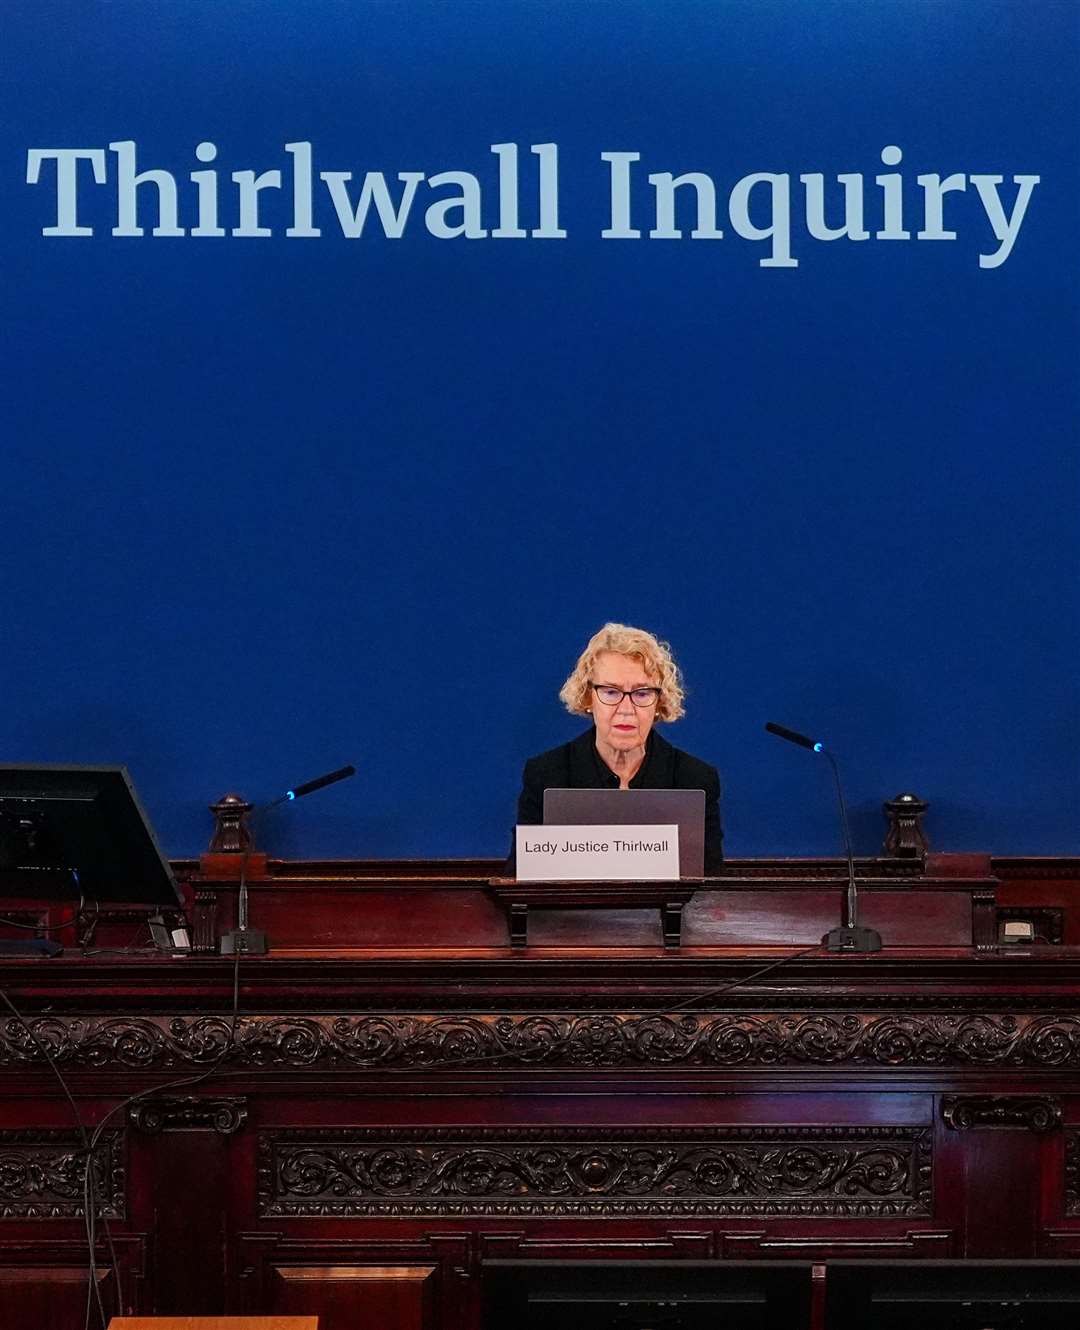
(578, 766)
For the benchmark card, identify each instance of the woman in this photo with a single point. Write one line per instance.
(626, 681)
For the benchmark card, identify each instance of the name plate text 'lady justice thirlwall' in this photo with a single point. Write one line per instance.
(597, 853)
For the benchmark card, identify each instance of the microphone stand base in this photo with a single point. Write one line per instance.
(248, 942)
(852, 939)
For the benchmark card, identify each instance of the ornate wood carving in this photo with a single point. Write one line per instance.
(231, 832)
(43, 1175)
(904, 835)
(1072, 1173)
(792, 1171)
(487, 1042)
(224, 1115)
(1038, 1113)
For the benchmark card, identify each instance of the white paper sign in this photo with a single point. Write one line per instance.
(597, 853)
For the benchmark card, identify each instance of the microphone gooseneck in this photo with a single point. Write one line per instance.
(252, 941)
(794, 737)
(310, 786)
(849, 936)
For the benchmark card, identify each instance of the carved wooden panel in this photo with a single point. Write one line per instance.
(838, 1171)
(1072, 1173)
(222, 1114)
(792, 1039)
(47, 1296)
(43, 1175)
(386, 1282)
(1037, 1113)
(348, 1296)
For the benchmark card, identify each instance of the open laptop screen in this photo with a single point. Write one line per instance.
(683, 808)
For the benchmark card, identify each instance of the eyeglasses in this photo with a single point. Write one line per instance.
(612, 696)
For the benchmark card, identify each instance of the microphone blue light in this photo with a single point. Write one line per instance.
(310, 786)
(794, 737)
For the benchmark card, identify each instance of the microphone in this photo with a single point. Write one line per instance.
(243, 940)
(848, 936)
(310, 786)
(793, 736)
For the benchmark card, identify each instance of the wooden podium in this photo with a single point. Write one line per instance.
(404, 1097)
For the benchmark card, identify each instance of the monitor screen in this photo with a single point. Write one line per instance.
(67, 831)
(683, 808)
(953, 1295)
(662, 1295)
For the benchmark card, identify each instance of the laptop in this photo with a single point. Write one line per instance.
(682, 808)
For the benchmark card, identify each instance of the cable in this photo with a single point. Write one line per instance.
(207, 1071)
(162, 1088)
(55, 928)
(65, 923)
(179, 1083)
(667, 1011)
(746, 979)
(90, 1144)
(88, 1160)
(134, 947)
(90, 1207)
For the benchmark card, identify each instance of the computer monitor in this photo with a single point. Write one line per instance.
(952, 1295)
(665, 1295)
(71, 831)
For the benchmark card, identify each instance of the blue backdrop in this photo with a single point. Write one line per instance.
(275, 503)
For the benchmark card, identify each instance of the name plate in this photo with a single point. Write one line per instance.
(597, 853)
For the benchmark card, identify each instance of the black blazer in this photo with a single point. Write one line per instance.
(578, 766)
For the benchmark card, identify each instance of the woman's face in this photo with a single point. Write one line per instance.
(624, 726)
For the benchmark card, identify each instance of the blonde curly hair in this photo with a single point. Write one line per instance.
(654, 655)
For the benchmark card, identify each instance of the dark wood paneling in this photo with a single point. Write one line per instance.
(402, 1097)
(348, 1297)
(48, 1297)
